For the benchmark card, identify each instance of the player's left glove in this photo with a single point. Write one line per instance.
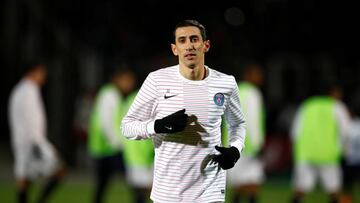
(36, 152)
(227, 158)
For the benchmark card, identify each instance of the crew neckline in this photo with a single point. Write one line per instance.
(208, 70)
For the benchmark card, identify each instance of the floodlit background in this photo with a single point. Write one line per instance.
(300, 44)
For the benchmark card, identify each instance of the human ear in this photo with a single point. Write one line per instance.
(206, 46)
(174, 49)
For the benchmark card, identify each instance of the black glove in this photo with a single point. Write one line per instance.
(172, 123)
(36, 152)
(227, 158)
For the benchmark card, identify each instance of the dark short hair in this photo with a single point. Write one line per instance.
(31, 64)
(186, 23)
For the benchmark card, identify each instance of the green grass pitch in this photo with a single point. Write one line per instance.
(273, 191)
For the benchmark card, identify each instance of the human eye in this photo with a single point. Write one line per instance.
(181, 40)
(194, 39)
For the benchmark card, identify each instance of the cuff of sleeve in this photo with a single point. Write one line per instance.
(238, 145)
(150, 128)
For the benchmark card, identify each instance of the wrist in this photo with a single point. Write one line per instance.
(238, 145)
(235, 152)
(150, 127)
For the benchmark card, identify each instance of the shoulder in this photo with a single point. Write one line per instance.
(164, 72)
(222, 76)
(168, 73)
(340, 106)
(109, 91)
(107, 88)
(218, 79)
(250, 88)
(218, 74)
(23, 93)
(25, 87)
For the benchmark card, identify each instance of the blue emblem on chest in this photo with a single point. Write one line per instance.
(219, 99)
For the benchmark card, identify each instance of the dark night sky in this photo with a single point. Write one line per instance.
(141, 32)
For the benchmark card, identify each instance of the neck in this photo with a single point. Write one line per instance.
(197, 73)
(33, 79)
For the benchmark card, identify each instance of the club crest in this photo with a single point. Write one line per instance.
(219, 99)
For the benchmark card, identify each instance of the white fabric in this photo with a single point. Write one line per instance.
(252, 111)
(307, 175)
(28, 129)
(107, 106)
(182, 172)
(343, 117)
(352, 143)
(248, 170)
(139, 176)
(150, 128)
(27, 165)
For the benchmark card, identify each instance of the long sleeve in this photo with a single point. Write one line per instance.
(342, 114)
(107, 113)
(253, 117)
(296, 124)
(236, 120)
(34, 114)
(140, 115)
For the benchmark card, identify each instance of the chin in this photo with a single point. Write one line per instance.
(191, 66)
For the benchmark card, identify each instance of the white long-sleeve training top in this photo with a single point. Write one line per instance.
(182, 172)
(252, 110)
(107, 107)
(27, 115)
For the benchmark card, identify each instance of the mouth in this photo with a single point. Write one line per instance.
(190, 55)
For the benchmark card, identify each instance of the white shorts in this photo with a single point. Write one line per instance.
(139, 176)
(247, 170)
(30, 165)
(306, 175)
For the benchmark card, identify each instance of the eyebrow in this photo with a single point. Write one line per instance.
(191, 37)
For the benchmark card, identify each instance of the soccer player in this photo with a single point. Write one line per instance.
(180, 108)
(248, 173)
(105, 140)
(319, 126)
(351, 159)
(34, 155)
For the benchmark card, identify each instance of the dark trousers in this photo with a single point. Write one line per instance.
(105, 168)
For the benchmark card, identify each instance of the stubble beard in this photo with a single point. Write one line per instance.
(191, 66)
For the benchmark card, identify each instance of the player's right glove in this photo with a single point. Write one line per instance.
(172, 123)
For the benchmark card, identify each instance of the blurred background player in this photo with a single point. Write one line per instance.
(139, 160)
(34, 155)
(248, 173)
(319, 126)
(351, 158)
(105, 141)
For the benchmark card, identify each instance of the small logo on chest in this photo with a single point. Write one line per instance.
(219, 99)
(167, 95)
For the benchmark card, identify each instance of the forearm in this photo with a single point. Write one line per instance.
(236, 121)
(107, 115)
(138, 123)
(112, 136)
(237, 136)
(137, 130)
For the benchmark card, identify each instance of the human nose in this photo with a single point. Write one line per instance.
(190, 46)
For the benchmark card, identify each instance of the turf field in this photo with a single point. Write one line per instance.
(274, 191)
